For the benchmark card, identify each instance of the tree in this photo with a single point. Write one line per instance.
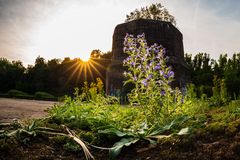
(96, 53)
(154, 11)
(11, 74)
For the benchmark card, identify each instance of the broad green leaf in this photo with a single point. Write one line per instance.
(158, 137)
(143, 129)
(169, 126)
(117, 147)
(159, 130)
(182, 119)
(183, 131)
(116, 132)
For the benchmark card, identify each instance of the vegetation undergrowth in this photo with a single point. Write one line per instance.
(156, 110)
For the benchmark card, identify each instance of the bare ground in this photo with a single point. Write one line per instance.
(22, 109)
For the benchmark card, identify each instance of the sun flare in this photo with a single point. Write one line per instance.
(85, 58)
(87, 70)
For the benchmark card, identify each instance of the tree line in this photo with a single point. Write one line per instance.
(60, 77)
(207, 73)
(55, 76)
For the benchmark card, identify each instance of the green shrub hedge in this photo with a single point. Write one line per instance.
(44, 96)
(13, 93)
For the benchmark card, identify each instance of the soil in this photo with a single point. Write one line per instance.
(197, 147)
(22, 109)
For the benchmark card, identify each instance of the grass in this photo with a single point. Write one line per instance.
(96, 123)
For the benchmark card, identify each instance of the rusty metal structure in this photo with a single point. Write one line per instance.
(159, 32)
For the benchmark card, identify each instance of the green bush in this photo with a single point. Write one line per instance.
(14, 92)
(18, 94)
(44, 95)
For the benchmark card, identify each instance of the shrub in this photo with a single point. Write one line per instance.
(18, 94)
(14, 93)
(44, 95)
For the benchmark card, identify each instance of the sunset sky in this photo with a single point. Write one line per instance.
(73, 28)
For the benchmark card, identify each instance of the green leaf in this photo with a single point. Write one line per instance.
(143, 129)
(128, 81)
(13, 133)
(117, 147)
(182, 119)
(184, 131)
(158, 137)
(31, 127)
(158, 130)
(116, 132)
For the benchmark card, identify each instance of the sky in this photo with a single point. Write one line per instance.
(73, 28)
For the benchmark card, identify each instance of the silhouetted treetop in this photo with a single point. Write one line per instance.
(154, 11)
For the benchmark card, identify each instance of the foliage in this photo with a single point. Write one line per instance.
(95, 115)
(14, 92)
(152, 134)
(148, 71)
(56, 76)
(24, 132)
(204, 70)
(44, 95)
(154, 11)
(11, 74)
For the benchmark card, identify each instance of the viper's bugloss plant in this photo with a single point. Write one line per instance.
(152, 77)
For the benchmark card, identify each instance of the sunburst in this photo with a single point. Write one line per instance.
(84, 68)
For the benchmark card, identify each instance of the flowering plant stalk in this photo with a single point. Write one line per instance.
(151, 77)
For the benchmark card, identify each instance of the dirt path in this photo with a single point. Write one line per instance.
(20, 109)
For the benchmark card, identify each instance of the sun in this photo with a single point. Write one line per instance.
(85, 57)
(81, 71)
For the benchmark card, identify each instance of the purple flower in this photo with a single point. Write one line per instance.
(125, 49)
(161, 73)
(158, 55)
(150, 76)
(135, 78)
(156, 50)
(144, 82)
(141, 35)
(140, 66)
(133, 63)
(130, 35)
(157, 67)
(170, 74)
(162, 92)
(164, 51)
